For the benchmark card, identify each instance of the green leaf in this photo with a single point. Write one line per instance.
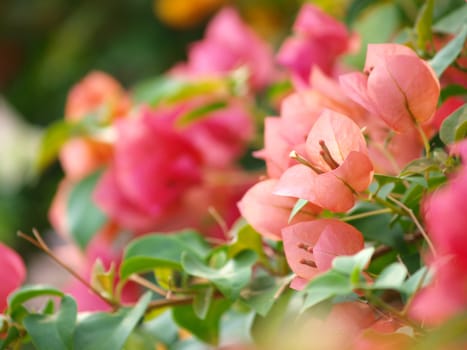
(230, 278)
(52, 141)
(202, 301)
(354, 264)
(261, 294)
(297, 207)
(199, 113)
(84, 217)
(420, 166)
(171, 89)
(53, 332)
(106, 331)
(11, 336)
(423, 25)
(326, 286)
(449, 53)
(391, 277)
(248, 239)
(453, 21)
(29, 292)
(454, 127)
(415, 282)
(161, 251)
(379, 228)
(208, 329)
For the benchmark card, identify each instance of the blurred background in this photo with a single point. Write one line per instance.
(47, 46)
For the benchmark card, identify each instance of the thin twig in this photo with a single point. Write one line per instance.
(367, 214)
(416, 222)
(39, 243)
(148, 284)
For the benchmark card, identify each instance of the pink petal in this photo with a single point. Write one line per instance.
(336, 239)
(14, 273)
(268, 213)
(340, 134)
(376, 54)
(356, 171)
(355, 87)
(308, 233)
(405, 90)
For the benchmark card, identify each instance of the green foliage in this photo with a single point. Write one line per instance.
(454, 127)
(230, 278)
(107, 331)
(161, 250)
(53, 332)
(84, 218)
(26, 293)
(449, 53)
(423, 25)
(206, 329)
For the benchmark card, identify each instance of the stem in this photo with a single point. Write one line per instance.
(366, 214)
(39, 243)
(426, 144)
(416, 222)
(148, 284)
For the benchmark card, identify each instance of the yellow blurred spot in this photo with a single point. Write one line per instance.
(185, 13)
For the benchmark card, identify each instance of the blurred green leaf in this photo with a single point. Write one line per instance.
(452, 22)
(53, 332)
(109, 331)
(418, 280)
(53, 140)
(297, 207)
(326, 286)
(392, 277)
(423, 25)
(449, 53)
(207, 329)
(248, 239)
(199, 113)
(230, 278)
(84, 218)
(454, 127)
(29, 292)
(262, 293)
(173, 89)
(353, 265)
(202, 301)
(161, 250)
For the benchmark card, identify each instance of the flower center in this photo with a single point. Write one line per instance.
(325, 155)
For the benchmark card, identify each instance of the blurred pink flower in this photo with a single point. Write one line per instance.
(310, 246)
(13, 273)
(154, 165)
(229, 44)
(444, 213)
(318, 41)
(397, 86)
(334, 167)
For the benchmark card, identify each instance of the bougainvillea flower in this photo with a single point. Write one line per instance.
(268, 213)
(153, 166)
(310, 246)
(335, 167)
(13, 273)
(318, 41)
(397, 86)
(96, 90)
(229, 44)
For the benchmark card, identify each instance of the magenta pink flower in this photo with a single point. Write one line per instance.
(333, 169)
(446, 223)
(154, 164)
(13, 273)
(318, 41)
(397, 86)
(230, 44)
(311, 246)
